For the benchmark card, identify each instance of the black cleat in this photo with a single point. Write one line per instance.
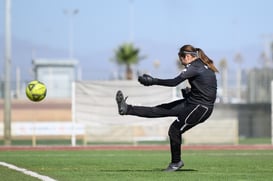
(122, 106)
(174, 166)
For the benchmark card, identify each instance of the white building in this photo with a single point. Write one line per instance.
(57, 75)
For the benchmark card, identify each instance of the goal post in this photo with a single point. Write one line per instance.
(73, 136)
(94, 105)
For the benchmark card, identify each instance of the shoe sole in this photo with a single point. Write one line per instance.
(119, 99)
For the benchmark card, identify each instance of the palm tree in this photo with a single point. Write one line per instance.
(127, 54)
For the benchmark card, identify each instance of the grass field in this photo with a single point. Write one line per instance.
(86, 165)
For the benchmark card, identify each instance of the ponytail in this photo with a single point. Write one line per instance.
(205, 59)
(198, 52)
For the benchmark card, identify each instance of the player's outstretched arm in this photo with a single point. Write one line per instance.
(147, 80)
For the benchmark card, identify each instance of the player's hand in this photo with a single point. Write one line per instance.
(147, 80)
(186, 92)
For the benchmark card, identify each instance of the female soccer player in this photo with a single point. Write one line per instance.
(196, 106)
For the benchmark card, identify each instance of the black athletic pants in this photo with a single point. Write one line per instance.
(188, 116)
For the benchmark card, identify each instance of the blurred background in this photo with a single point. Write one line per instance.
(65, 41)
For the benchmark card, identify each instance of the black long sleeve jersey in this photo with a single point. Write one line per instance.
(202, 80)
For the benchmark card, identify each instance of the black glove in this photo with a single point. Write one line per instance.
(147, 80)
(186, 92)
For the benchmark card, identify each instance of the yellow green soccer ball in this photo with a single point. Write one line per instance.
(36, 91)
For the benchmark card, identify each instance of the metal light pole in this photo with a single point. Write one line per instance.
(71, 14)
(7, 99)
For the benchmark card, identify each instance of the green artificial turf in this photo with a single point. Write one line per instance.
(139, 165)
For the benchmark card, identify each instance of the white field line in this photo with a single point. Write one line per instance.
(27, 172)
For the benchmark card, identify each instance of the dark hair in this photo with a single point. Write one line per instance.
(197, 52)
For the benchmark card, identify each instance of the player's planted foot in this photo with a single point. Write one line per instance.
(122, 106)
(174, 166)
